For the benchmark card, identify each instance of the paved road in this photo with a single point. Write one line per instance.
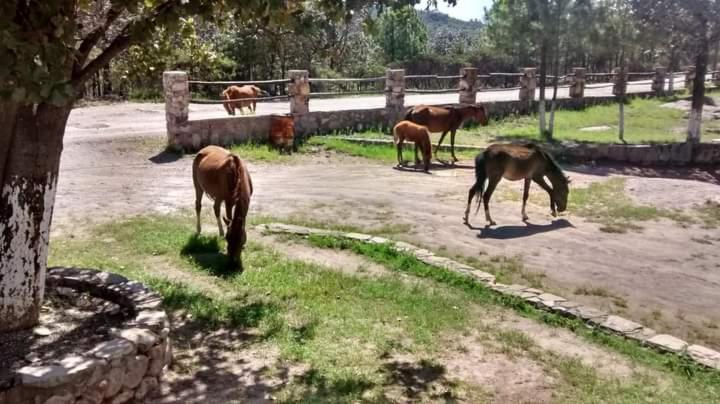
(148, 119)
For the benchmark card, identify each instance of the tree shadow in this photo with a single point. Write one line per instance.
(414, 378)
(513, 232)
(206, 252)
(166, 156)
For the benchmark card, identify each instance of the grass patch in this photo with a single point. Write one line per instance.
(264, 153)
(709, 214)
(340, 325)
(605, 203)
(384, 153)
(646, 121)
(687, 380)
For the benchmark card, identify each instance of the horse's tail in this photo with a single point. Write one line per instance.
(480, 177)
(396, 135)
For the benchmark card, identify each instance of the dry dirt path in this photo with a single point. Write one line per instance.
(667, 279)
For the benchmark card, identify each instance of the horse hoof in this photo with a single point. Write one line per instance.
(554, 214)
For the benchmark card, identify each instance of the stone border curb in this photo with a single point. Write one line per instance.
(670, 154)
(546, 301)
(128, 367)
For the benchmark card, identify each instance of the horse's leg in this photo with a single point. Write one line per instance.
(198, 203)
(471, 195)
(452, 145)
(526, 194)
(439, 143)
(417, 159)
(216, 208)
(399, 151)
(228, 213)
(492, 183)
(540, 180)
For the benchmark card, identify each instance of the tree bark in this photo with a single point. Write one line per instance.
(698, 95)
(30, 147)
(543, 79)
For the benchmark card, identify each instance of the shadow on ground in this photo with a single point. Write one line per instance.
(513, 232)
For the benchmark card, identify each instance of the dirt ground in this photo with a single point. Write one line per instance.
(663, 276)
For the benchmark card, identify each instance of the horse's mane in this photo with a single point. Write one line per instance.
(554, 167)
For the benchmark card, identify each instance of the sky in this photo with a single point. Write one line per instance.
(465, 9)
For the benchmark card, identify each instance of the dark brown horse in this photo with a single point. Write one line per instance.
(517, 162)
(441, 119)
(418, 134)
(225, 178)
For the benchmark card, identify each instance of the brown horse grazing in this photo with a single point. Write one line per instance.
(234, 96)
(440, 119)
(517, 162)
(225, 178)
(406, 130)
(282, 133)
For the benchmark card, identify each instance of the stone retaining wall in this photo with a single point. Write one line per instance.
(126, 368)
(192, 135)
(671, 154)
(545, 301)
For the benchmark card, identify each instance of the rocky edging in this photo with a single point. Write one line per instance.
(669, 154)
(126, 368)
(540, 299)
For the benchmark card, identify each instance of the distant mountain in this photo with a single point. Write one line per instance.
(436, 21)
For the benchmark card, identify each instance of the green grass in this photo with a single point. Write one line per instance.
(264, 153)
(687, 382)
(384, 153)
(386, 229)
(342, 327)
(646, 121)
(605, 203)
(709, 213)
(339, 325)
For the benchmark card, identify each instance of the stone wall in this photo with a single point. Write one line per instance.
(192, 135)
(125, 368)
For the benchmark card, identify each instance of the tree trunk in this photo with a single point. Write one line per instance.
(621, 120)
(30, 147)
(698, 95)
(543, 79)
(671, 67)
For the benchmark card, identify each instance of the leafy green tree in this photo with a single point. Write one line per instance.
(699, 22)
(401, 34)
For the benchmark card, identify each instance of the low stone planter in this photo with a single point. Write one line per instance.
(127, 367)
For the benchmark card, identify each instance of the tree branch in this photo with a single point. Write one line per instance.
(122, 42)
(93, 38)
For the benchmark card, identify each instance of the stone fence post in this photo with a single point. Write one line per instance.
(528, 84)
(577, 85)
(177, 105)
(690, 78)
(395, 89)
(620, 79)
(299, 91)
(468, 85)
(658, 84)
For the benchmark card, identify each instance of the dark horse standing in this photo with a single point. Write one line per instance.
(517, 162)
(440, 119)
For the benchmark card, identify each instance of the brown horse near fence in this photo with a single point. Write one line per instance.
(406, 130)
(517, 162)
(234, 98)
(441, 119)
(225, 178)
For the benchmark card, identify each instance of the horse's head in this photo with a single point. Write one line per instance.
(236, 238)
(561, 190)
(481, 114)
